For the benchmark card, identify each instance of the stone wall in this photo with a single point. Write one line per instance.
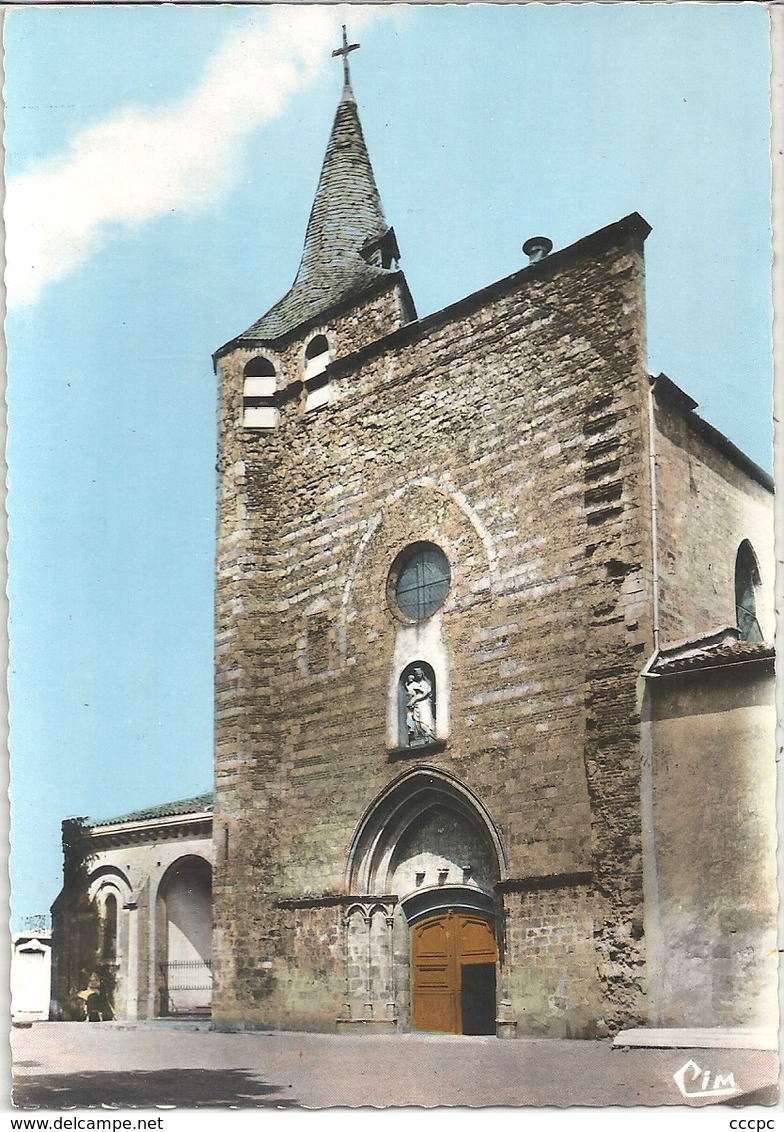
(709, 503)
(550, 962)
(511, 431)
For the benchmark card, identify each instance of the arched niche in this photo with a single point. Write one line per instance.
(184, 937)
(417, 705)
(108, 878)
(110, 890)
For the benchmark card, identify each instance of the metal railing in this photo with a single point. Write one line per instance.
(186, 986)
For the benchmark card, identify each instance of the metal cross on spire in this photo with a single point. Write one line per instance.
(344, 51)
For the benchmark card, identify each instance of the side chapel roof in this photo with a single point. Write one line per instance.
(202, 803)
(716, 650)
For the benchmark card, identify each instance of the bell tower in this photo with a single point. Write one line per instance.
(348, 290)
(276, 403)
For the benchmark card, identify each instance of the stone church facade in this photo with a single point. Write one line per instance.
(458, 558)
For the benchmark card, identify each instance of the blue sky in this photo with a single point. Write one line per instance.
(161, 162)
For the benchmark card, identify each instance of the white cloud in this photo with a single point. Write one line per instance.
(137, 165)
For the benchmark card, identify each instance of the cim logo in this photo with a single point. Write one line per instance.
(710, 1085)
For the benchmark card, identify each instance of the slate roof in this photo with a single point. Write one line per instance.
(199, 804)
(346, 219)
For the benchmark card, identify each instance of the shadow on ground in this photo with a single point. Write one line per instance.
(183, 1088)
(767, 1095)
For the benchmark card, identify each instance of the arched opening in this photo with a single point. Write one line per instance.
(431, 843)
(747, 579)
(258, 394)
(185, 938)
(316, 355)
(109, 933)
(259, 367)
(318, 391)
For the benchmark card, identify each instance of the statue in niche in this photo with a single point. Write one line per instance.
(420, 707)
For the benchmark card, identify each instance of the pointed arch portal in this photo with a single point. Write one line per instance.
(428, 842)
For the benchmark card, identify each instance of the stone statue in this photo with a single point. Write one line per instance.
(420, 719)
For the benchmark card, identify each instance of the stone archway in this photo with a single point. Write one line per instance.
(185, 938)
(110, 971)
(429, 849)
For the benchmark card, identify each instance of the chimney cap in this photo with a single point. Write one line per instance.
(537, 247)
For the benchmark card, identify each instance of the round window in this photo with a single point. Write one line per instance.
(419, 580)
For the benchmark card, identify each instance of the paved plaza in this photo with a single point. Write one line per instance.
(61, 1065)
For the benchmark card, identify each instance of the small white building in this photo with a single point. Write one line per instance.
(31, 975)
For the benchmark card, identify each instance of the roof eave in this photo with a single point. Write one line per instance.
(761, 655)
(277, 342)
(172, 821)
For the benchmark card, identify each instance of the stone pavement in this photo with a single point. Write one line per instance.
(59, 1065)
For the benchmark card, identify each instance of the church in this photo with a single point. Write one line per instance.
(494, 668)
(460, 561)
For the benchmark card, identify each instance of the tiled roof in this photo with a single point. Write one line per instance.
(346, 218)
(199, 804)
(721, 649)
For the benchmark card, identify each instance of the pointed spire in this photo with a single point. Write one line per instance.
(349, 247)
(347, 212)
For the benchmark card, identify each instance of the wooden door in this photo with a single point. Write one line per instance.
(453, 975)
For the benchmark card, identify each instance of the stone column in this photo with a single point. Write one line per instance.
(369, 992)
(132, 962)
(391, 996)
